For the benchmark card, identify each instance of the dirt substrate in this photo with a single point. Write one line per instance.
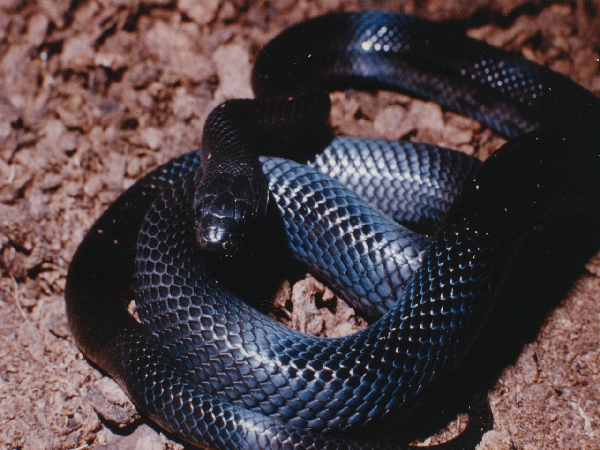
(93, 94)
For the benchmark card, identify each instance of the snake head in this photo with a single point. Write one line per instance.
(227, 208)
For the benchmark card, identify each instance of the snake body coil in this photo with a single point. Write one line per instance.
(209, 368)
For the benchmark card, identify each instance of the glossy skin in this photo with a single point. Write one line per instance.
(211, 369)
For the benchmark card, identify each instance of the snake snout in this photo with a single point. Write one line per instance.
(220, 224)
(217, 235)
(225, 216)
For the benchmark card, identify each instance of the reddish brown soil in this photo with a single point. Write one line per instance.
(93, 94)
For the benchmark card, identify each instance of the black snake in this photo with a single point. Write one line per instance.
(211, 369)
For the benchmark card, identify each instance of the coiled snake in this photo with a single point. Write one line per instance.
(209, 368)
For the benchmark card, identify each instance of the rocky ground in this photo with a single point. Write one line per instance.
(93, 94)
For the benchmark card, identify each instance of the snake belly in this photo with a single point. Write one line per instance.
(209, 368)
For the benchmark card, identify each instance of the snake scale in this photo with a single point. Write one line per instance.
(208, 367)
